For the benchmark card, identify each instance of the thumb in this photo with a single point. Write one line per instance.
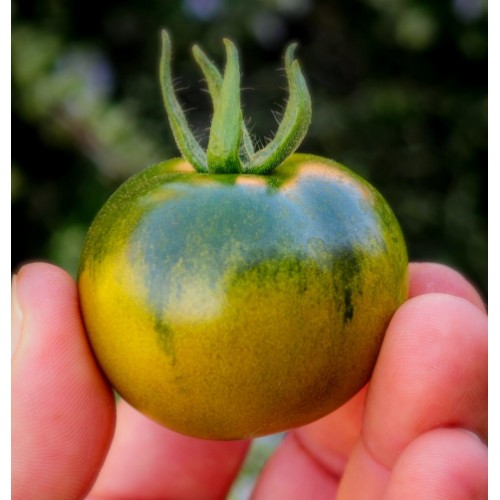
(63, 412)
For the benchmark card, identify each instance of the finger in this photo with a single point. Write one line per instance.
(147, 460)
(445, 463)
(330, 441)
(427, 277)
(293, 473)
(62, 410)
(431, 372)
(311, 459)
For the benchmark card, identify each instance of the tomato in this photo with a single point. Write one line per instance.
(228, 302)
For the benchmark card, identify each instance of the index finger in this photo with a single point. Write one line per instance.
(431, 374)
(327, 443)
(429, 277)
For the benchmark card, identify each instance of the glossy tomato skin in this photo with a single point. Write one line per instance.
(230, 306)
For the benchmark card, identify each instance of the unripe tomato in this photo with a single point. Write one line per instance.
(228, 303)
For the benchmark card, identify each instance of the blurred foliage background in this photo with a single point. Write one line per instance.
(399, 95)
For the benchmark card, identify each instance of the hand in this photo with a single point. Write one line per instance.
(418, 431)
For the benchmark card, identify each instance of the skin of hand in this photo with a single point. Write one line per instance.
(418, 430)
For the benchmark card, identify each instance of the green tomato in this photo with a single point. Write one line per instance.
(227, 297)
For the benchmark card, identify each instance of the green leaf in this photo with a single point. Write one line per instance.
(188, 146)
(225, 131)
(294, 124)
(214, 83)
(230, 148)
(210, 72)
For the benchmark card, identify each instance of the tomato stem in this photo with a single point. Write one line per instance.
(225, 131)
(214, 83)
(230, 148)
(185, 140)
(293, 126)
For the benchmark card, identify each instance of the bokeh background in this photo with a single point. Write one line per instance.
(399, 95)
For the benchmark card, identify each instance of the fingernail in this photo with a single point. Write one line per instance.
(475, 435)
(16, 318)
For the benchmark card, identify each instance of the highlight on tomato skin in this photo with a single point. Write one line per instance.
(229, 301)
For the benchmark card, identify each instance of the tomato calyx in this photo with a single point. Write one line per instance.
(230, 148)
